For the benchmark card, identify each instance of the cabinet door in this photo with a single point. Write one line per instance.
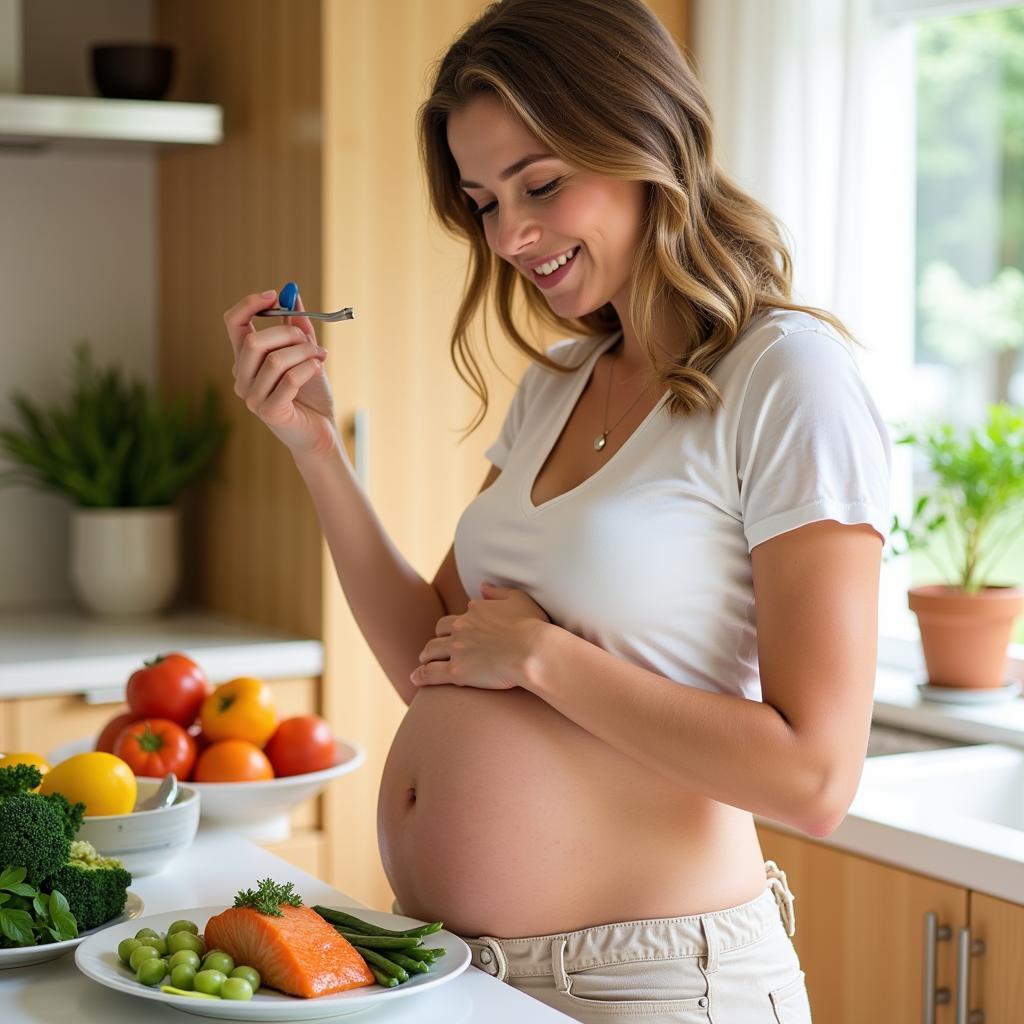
(860, 932)
(996, 981)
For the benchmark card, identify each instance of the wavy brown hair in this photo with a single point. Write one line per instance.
(604, 86)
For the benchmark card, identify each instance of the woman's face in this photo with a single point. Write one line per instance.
(546, 209)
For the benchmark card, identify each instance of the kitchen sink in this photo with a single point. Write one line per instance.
(955, 814)
(982, 784)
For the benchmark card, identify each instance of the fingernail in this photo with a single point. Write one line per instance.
(321, 351)
(268, 293)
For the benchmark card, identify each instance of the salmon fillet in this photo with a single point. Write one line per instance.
(298, 953)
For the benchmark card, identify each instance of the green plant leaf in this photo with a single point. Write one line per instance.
(17, 925)
(113, 443)
(12, 876)
(978, 490)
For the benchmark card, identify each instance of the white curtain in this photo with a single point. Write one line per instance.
(813, 103)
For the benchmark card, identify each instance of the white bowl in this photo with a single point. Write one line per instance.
(147, 841)
(258, 810)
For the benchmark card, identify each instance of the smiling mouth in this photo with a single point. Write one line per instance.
(547, 269)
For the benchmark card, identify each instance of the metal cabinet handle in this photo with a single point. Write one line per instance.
(965, 949)
(932, 996)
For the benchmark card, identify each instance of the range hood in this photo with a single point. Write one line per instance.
(32, 121)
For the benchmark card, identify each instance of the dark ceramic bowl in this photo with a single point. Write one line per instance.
(132, 71)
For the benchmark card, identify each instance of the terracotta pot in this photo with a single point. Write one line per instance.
(965, 637)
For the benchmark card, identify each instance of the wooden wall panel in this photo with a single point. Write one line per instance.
(237, 218)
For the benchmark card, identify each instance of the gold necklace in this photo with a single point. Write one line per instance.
(601, 439)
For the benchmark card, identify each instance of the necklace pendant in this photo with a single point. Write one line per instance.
(599, 442)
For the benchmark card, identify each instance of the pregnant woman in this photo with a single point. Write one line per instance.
(658, 617)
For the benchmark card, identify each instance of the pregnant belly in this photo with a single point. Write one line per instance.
(500, 816)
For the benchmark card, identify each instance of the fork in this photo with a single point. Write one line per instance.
(338, 314)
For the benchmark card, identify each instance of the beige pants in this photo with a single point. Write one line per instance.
(735, 966)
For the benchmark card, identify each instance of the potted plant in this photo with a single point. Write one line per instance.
(977, 506)
(123, 457)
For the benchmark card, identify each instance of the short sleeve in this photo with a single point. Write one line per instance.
(811, 443)
(498, 451)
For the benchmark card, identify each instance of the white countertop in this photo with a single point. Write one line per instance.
(216, 866)
(60, 652)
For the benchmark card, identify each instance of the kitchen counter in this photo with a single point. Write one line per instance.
(217, 865)
(66, 652)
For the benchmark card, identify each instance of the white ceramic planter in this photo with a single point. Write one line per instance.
(125, 561)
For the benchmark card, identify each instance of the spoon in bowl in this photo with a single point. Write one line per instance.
(163, 797)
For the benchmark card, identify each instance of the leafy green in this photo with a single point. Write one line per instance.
(268, 897)
(978, 497)
(113, 445)
(29, 917)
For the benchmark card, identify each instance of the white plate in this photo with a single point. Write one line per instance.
(22, 956)
(97, 959)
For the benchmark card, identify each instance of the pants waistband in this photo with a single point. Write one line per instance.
(698, 935)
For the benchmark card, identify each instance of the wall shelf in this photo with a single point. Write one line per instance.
(29, 121)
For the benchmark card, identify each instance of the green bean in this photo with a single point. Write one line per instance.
(423, 953)
(352, 924)
(356, 924)
(415, 966)
(383, 979)
(379, 941)
(375, 959)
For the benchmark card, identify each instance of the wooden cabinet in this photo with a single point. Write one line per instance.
(996, 978)
(861, 938)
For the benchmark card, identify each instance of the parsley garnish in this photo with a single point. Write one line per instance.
(268, 897)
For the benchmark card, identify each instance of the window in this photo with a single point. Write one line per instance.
(946, 125)
(969, 235)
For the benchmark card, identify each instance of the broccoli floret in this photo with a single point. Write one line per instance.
(33, 835)
(35, 831)
(73, 814)
(95, 887)
(19, 778)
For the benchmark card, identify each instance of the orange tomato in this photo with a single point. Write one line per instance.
(232, 761)
(242, 709)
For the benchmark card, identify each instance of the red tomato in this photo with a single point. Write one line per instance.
(301, 744)
(108, 737)
(170, 686)
(156, 746)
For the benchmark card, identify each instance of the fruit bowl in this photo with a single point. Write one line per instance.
(259, 810)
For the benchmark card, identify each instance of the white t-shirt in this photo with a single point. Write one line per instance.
(649, 558)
